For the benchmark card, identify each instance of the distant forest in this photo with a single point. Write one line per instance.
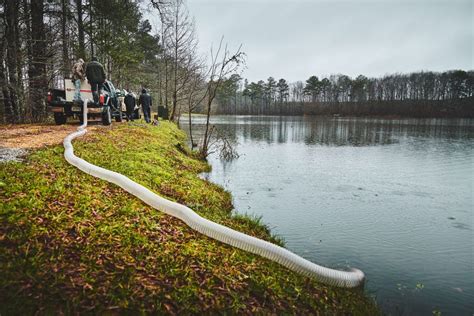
(419, 94)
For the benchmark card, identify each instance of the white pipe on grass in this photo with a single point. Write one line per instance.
(349, 279)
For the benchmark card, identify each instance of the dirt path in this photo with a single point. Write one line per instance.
(30, 136)
(16, 140)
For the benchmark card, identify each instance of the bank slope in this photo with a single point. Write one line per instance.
(73, 243)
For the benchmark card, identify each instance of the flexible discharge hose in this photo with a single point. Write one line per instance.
(349, 279)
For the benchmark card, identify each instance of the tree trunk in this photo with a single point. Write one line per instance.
(7, 105)
(91, 29)
(19, 67)
(166, 81)
(64, 37)
(80, 30)
(175, 65)
(207, 131)
(11, 13)
(190, 122)
(29, 53)
(37, 71)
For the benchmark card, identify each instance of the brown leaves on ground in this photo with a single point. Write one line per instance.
(36, 135)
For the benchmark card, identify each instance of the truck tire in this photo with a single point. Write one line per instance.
(106, 116)
(60, 118)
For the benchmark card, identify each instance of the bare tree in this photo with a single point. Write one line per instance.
(223, 63)
(197, 92)
(182, 43)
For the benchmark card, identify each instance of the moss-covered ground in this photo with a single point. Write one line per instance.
(71, 243)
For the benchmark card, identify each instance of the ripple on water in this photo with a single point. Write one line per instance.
(462, 226)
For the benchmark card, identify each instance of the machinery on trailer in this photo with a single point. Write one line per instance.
(60, 102)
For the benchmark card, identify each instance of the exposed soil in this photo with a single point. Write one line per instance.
(15, 140)
(29, 136)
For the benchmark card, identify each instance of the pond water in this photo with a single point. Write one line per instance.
(393, 198)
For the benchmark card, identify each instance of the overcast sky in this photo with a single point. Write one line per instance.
(294, 39)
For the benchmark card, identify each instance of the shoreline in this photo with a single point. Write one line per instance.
(84, 242)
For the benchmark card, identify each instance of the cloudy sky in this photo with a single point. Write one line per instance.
(294, 39)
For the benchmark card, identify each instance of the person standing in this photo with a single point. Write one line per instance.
(78, 74)
(121, 100)
(96, 76)
(130, 103)
(145, 102)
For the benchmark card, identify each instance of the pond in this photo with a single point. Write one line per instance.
(393, 198)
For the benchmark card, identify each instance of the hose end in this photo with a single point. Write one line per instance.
(359, 276)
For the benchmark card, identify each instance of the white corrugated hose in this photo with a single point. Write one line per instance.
(349, 279)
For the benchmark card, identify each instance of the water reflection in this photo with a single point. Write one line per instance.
(333, 131)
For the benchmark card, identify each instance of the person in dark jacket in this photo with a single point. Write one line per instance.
(145, 102)
(96, 76)
(130, 105)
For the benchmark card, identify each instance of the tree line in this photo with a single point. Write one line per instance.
(326, 95)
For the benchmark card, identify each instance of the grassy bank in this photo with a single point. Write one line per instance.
(73, 243)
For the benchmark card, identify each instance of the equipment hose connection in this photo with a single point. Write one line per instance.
(348, 279)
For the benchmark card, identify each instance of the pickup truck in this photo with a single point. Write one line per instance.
(60, 102)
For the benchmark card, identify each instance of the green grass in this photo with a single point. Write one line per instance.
(72, 243)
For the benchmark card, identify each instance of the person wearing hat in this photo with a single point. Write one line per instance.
(78, 74)
(96, 76)
(145, 102)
